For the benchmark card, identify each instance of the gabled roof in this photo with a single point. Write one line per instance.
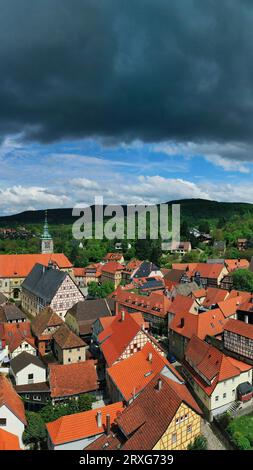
(112, 267)
(79, 272)
(211, 364)
(229, 306)
(174, 275)
(233, 264)
(72, 379)
(206, 323)
(140, 369)
(209, 271)
(181, 304)
(45, 319)
(214, 295)
(10, 312)
(116, 337)
(79, 426)
(10, 398)
(21, 265)
(244, 296)
(240, 328)
(90, 309)
(156, 303)
(145, 420)
(145, 269)
(23, 360)
(66, 339)
(8, 441)
(44, 282)
(15, 333)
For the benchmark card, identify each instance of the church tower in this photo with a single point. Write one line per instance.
(47, 244)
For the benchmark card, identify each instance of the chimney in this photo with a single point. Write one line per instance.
(159, 384)
(181, 322)
(122, 315)
(108, 424)
(150, 356)
(99, 419)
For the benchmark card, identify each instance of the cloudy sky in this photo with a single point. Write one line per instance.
(135, 100)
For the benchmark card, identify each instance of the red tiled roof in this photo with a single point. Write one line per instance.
(214, 295)
(245, 296)
(147, 418)
(139, 371)
(156, 304)
(240, 328)
(8, 441)
(229, 306)
(10, 398)
(15, 333)
(233, 264)
(210, 322)
(66, 339)
(81, 425)
(181, 304)
(207, 361)
(117, 336)
(113, 257)
(46, 318)
(72, 379)
(79, 272)
(112, 267)
(209, 271)
(21, 265)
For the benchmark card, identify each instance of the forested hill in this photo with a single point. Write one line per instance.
(192, 210)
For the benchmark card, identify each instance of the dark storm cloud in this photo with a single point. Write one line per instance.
(147, 69)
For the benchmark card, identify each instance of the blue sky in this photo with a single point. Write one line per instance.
(62, 174)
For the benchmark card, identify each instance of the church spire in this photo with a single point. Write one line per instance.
(47, 244)
(46, 235)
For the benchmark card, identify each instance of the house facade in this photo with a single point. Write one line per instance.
(238, 338)
(49, 287)
(14, 269)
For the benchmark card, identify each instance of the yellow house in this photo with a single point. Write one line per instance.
(164, 416)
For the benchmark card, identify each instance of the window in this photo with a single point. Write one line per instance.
(177, 420)
(189, 428)
(30, 376)
(69, 360)
(79, 358)
(174, 438)
(217, 398)
(224, 395)
(3, 422)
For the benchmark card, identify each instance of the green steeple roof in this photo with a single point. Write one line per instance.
(46, 235)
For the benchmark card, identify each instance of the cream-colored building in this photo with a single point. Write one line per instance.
(214, 377)
(49, 287)
(68, 347)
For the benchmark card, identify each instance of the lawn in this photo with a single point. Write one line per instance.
(241, 432)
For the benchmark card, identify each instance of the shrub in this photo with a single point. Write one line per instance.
(199, 443)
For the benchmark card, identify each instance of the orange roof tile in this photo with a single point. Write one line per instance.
(10, 398)
(113, 256)
(233, 264)
(214, 295)
(139, 370)
(79, 272)
(15, 333)
(8, 441)
(245, 296)
(229, 306)
(206, 323)
(117, 336)
(21, 265)
(240, 328)
(72, 379)
(112, 267)
(206, 361)
(81, 425)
